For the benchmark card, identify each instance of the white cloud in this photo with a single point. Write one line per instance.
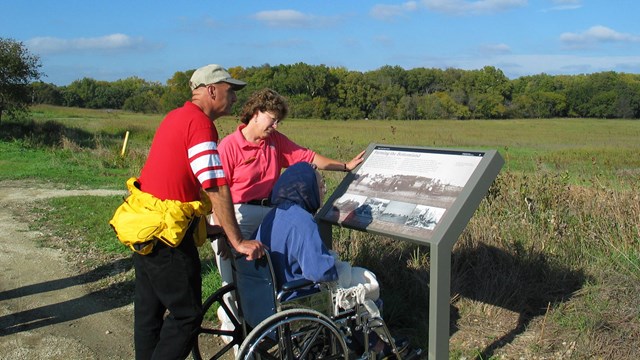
(567, 2)
(566, 64)
(388, 12)
(596, 34)
(463, 7)
(451, 7)
(211, 22)
(292, 19)
(561, 5)
(520, 65)
(52, 45)
(384, 40)
(495, 49)
(284, 43)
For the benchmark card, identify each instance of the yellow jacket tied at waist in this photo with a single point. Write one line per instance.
(142, 219)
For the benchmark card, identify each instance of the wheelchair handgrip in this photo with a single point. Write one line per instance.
(297, 284)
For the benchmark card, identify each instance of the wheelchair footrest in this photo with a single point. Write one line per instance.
(414, 354)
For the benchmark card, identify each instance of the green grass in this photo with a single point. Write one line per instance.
(549, 265)
(579, 147)
(80, 222)
(68, 168)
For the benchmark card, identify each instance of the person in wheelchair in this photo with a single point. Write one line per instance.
(297, 252)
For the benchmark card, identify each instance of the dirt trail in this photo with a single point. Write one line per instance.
(46, 310)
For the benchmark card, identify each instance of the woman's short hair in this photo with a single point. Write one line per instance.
(264, 100)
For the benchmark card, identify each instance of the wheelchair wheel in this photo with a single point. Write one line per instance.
(209, 343)
(295, 334)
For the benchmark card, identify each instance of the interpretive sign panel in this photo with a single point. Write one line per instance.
(419, 194)
(403, 191)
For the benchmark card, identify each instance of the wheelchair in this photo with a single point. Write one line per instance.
(296, 320)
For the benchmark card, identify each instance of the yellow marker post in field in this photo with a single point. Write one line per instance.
(124, 144)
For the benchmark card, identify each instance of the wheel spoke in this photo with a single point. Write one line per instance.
(296, 334)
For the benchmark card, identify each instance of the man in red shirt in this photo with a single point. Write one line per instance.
(182, 161)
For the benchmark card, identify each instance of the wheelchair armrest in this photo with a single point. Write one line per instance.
(296, 284)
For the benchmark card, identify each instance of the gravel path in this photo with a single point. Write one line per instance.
(47, 311)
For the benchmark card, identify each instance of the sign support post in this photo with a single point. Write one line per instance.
(439, 297)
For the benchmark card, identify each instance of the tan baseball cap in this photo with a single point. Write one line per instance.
(212, 74)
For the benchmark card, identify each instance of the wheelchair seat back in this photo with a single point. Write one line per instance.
(256, 288)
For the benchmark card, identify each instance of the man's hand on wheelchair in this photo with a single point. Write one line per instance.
(253, 249)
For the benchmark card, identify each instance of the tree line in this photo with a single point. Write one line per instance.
(390, 92)
(319, 91)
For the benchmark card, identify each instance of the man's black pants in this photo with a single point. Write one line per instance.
(167, 279)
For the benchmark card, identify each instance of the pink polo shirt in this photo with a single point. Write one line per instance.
(251, 169)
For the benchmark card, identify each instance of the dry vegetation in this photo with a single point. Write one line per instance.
(544, 270)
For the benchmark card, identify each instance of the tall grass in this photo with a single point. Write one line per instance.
(548, 267)
(537, 248)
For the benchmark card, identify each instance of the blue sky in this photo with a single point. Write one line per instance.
(116, 39)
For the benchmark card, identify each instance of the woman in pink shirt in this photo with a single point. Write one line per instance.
(256, 153)
(254, 156)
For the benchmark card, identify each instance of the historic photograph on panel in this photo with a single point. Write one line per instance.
(405, 191)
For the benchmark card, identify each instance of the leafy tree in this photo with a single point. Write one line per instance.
(389, 75)
(257, 78)
(602, 105)
(107, 96)
(593, 95)
(578, 96)
(488, 106)
(135, 85)
(314, 80)
(522, 106)
(96, 94)
(387, 99)
(421, 81)
(357, 95)
(535, 83)
(139, 95)
(70, 98)
(391, 84)
(45, 93)
(627, 104)
(348, 94)
(18, 68)
(81, 91)
(440, 105)
(144, 102)
(487, 91)
(408, 108)
(550, 104)
(345, 112)
(304, 106)
(177, 91)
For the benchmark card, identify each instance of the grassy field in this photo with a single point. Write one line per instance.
(548, 267)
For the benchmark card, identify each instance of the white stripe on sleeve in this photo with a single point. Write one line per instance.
(209, 175)
(204, 146)
(205, 161)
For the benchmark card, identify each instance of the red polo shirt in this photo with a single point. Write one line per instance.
(183, 157)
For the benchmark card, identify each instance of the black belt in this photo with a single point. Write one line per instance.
(260, 202)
